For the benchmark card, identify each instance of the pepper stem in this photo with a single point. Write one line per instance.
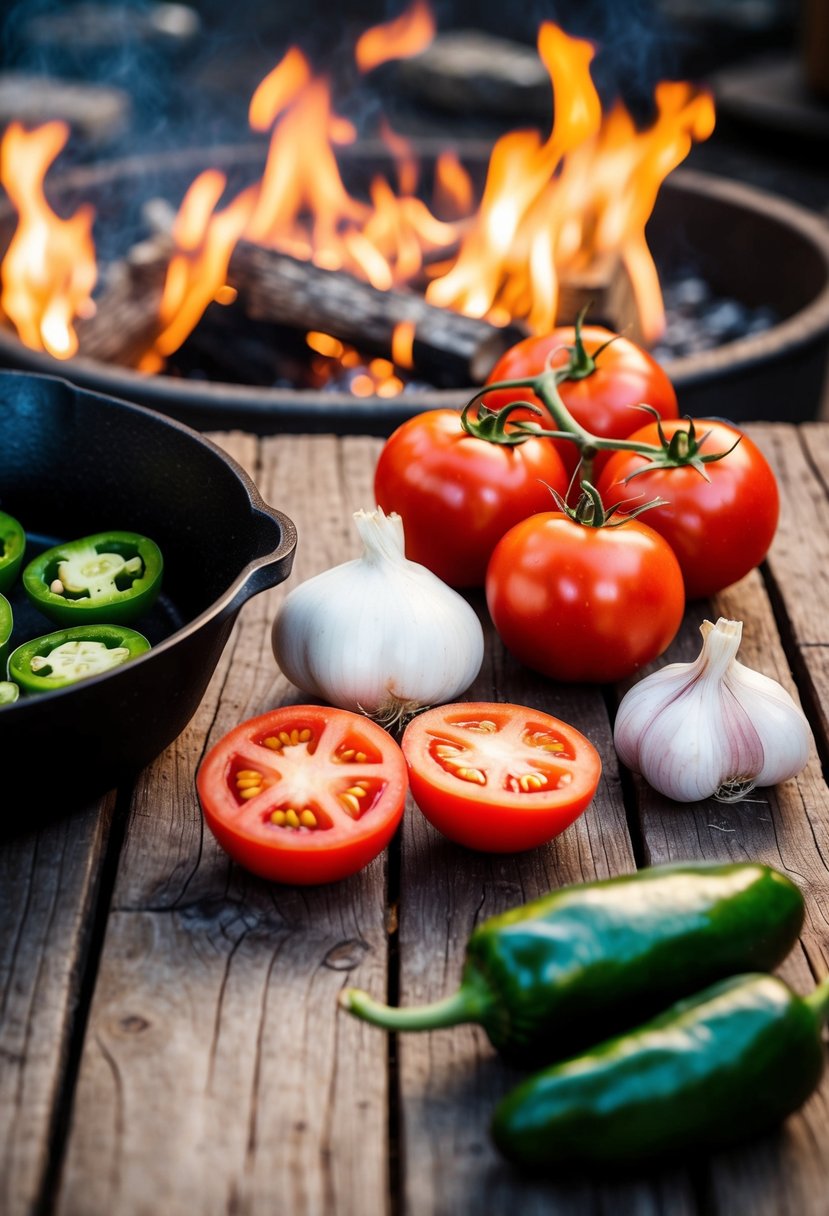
(818, 1001)
(465, 1005)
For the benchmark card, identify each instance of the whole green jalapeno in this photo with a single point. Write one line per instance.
(562, 972)
(710, 1072)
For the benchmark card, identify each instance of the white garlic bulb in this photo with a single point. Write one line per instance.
(380, 634)
(712, 727)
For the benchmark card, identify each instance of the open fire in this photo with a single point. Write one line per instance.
(551, 211)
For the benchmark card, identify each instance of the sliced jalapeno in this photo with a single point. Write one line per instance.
(8, 692)
(12, 549)
(111, 577)
(6, 622)
(70, 655)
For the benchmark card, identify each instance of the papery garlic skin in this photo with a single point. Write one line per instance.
(711, 728)
(380, 635)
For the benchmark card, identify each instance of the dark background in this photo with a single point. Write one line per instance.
(195, 89)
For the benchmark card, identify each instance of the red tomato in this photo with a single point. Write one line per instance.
(303, 794)
(499, 778)
(719, 528)
(625, 376)
(581, 603)
(457, 495)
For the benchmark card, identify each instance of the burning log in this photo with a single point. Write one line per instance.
(603, 287)
(449, 349)
(126, 322)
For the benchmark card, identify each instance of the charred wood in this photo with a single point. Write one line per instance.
(605, 289)
(126, 322)
(448, 349)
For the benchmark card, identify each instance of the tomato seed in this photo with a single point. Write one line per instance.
(531, 781)
(470, 774)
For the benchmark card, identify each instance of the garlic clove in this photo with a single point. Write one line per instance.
(778, 718)
(711, 727)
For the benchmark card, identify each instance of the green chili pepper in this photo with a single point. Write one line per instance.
(12, 550)
(558, 974)
(710, 1072)
(9, 692)
(111, 577)
(70, 655)
(6, 624)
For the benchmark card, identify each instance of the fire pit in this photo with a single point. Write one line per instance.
(286, 264)
(745, 243)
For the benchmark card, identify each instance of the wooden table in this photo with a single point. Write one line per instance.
(169, 1035)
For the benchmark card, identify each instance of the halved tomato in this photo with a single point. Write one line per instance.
(304, 794)
(496, 777)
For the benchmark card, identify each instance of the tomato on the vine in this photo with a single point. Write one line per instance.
(458, 494)
(304, 794)
(602, 400)
(720, 523)
(497, 777)
(584, 603)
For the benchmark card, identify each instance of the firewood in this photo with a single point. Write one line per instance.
(126, 322)
(605, 289)
(450, 350)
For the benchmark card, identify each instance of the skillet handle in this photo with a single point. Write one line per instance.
(274, 565)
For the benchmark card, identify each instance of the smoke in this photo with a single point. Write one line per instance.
(187, 90)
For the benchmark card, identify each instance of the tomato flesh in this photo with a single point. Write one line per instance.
(304, 794)
(497, 777)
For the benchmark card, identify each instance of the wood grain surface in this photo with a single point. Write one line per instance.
(169, 1035)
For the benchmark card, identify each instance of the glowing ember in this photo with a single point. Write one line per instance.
(550, 208)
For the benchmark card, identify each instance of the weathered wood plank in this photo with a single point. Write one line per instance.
(453, 1072)
(788, 1171)
(799, 561)
(49, 887)
(216, 1076)
(450, 1080)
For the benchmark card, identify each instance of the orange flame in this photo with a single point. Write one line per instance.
(454, 194)
(407, 35)
(204, 241)
(279, 88)
(549, 208)
(49, 271)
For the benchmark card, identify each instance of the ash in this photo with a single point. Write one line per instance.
(698, 320)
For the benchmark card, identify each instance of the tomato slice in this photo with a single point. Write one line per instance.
(496, 777)
(304, 794)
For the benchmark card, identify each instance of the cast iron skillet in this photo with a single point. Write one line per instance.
(73, 463)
